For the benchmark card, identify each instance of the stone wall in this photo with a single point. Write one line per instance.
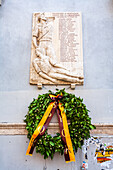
(16, 93)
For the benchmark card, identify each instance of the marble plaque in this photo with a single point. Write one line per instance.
(56, 49)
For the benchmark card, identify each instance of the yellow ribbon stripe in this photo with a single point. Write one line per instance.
(51, 95)
(67, 135)
(39, 127)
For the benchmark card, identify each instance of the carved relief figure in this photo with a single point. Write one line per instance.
(46, 62)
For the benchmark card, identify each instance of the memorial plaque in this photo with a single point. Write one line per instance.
(56, 52)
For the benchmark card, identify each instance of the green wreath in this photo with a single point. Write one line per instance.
(79, 127)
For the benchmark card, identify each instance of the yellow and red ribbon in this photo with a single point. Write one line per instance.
(64, 131)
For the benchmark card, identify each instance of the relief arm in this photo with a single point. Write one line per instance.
(56, 64)
(34, 39)
(35, 36)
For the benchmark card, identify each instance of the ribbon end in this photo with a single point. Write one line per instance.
(71, 161)
(29, 154)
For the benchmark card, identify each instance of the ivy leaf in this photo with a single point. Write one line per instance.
(30, 111)
(72, 100)
(79, 144)
(92, 127)
(51, 143)
(37, 117)
(51, 155)
(44, 143)
(47, 153)
(66, 104)
(75, 142)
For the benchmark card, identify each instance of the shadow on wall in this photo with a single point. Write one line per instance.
(110, 6)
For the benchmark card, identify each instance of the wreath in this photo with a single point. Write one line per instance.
(77, 114)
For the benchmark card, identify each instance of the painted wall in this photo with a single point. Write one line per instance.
(15, 91)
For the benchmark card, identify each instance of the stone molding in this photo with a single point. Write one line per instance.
(19, 129)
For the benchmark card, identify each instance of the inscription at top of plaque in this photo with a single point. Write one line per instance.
(69, 36)
(56, 53)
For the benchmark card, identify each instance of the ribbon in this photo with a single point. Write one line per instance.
(55, 105)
